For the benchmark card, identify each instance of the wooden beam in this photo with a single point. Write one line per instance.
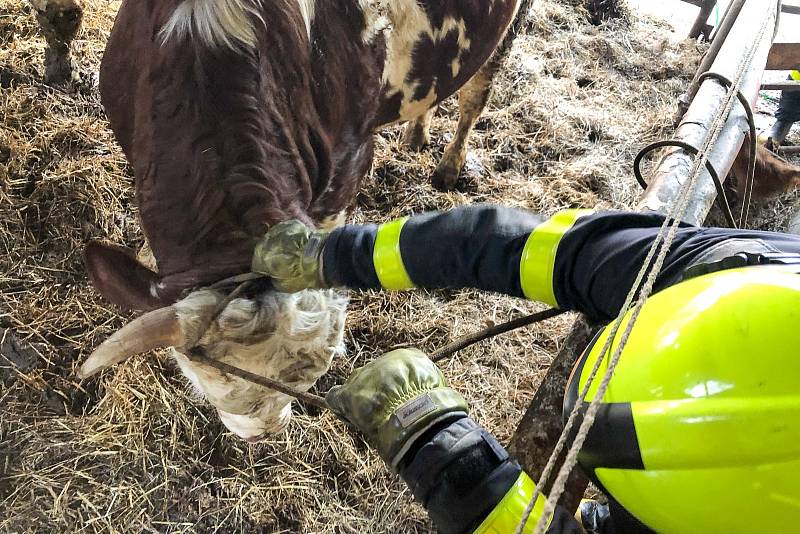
(784, 56)
(537, 433)
(789, 150)
(702, 17)
(788, 85)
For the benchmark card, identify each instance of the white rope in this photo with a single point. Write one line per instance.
(661, 244)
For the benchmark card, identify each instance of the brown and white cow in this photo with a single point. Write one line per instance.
(772, 175)
(238, 114)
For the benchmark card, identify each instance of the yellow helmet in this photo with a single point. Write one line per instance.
(699, 430)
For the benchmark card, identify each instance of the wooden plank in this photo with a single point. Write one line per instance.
(788, 85)
(789, 150)
(537, 433)
(784, 56)
(702, 17)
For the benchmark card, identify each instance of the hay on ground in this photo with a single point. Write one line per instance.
(136, 450)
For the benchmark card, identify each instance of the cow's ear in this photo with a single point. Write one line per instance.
(116, 274)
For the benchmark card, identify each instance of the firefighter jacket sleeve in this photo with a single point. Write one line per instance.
(468, 483)
(576, 260)
(464, 247)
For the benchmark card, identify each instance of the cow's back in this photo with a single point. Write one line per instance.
(434, 48)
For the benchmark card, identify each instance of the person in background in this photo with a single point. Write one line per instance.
(787, 114)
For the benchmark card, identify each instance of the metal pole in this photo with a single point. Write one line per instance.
(540, 427)
(716, 33)
(725, 25)
(676, 163)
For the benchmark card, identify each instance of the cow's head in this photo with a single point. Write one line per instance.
(290, 338)
(232, 123)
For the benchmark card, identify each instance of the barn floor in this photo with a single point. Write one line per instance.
(136, 450)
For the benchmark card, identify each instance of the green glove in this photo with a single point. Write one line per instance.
(393, 400)
(291, 254)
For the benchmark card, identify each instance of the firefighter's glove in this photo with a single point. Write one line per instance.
(291, 254)
(395, 399)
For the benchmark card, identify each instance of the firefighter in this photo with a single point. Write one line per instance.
(787, 114)
(699, 430)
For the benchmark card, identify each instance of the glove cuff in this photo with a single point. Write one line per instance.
(413, 418)
(312, 257)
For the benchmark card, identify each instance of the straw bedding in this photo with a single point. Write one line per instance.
(136, 450)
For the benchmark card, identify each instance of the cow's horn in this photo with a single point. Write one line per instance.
(153, 330)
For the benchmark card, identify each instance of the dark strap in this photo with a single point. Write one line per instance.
(742, 259)
(460, 474)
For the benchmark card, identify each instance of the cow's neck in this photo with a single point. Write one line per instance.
(248, 137)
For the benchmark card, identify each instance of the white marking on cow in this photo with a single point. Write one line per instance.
(225, 23)
(307, 11)
(455, 66)
(415, 108)
(332, 222)
(288, 337)
(409, 25)
(146, 257)
(215, 23)
(376, 18)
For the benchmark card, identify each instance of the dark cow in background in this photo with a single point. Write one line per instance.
(238, 114)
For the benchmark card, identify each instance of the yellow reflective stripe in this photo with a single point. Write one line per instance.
(506, 516)
(795, 75)
(539, 256)
(387, 259)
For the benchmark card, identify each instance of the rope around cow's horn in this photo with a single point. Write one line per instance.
(197, 354)
(650, 268)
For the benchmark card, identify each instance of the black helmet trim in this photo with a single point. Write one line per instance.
(742, 259)
(612, 440)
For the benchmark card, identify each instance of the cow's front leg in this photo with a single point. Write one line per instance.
(59, 21)
(418, 131)
(472, 99)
